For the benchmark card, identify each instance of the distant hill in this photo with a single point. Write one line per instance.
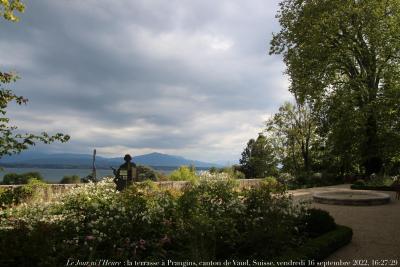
(30, 159)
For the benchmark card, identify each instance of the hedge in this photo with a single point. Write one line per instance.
(370, 187)
(320, 247)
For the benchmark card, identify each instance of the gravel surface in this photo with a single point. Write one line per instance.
(376, 229)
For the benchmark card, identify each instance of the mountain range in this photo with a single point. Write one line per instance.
(30, 159)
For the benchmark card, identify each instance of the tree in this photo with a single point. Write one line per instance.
(146, 173)
(184, 173)
(258, 159)
(345, 54)
(7, 8)
(70, 179)
(23, 178)
(293, 131)
(11, 141)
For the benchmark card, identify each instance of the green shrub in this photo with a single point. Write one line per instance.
(23, 178)
(286, 178)
(213, 170)
(205, 221)
(317, 177)
(70, 179)
(318, 222)
(359, 182)
(33, 191)
(272, 182)
(395, 181)
(240, 175)
(331, 179)
(208, 221)
(6, 197)
(12, 178)
(184, 173)
(321, 247)
(146, 173)
(161, 176)
(380, 181)
(303, 179)
(269, 222)
(221, 174)
(232, 172)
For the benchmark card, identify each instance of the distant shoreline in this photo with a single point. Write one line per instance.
(54, 175)
(48, 166)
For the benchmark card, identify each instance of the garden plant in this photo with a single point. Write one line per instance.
(209, 220)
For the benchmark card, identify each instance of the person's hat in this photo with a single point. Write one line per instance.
(127, 157)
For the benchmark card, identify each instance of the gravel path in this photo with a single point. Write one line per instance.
(376, 229)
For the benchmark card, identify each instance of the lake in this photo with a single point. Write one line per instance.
(55, 175)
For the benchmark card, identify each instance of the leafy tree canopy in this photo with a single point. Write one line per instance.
(258, 158)
(8, 7)
(11, 141)
(294, 137)
(345, 57)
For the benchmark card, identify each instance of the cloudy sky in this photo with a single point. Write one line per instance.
(190, 78)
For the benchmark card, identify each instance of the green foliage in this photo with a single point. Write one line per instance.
(6, 197)
(232, 172)
(294, 137)
(213, 170)
(184, 173)
(205, 221)
(8, 7)
(146, 173)
(269, 215)
(23, 178)
(258, 158)
(286, 178)
(10, 141)
(271, 181)
(236, 174)
(33, 191)
(318, 222)
(321, 247)
(209, 214)
(70, 179)
(380, 181)
(344, 58)
(161, 176)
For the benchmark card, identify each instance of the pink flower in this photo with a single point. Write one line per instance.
(89, 237)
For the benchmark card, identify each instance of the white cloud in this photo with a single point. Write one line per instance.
(185, 78)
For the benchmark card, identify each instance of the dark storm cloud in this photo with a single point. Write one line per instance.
(190, 78)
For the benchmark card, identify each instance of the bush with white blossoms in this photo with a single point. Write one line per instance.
(209, 220)
(224, 174)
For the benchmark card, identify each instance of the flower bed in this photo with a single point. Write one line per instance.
(205, 221)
